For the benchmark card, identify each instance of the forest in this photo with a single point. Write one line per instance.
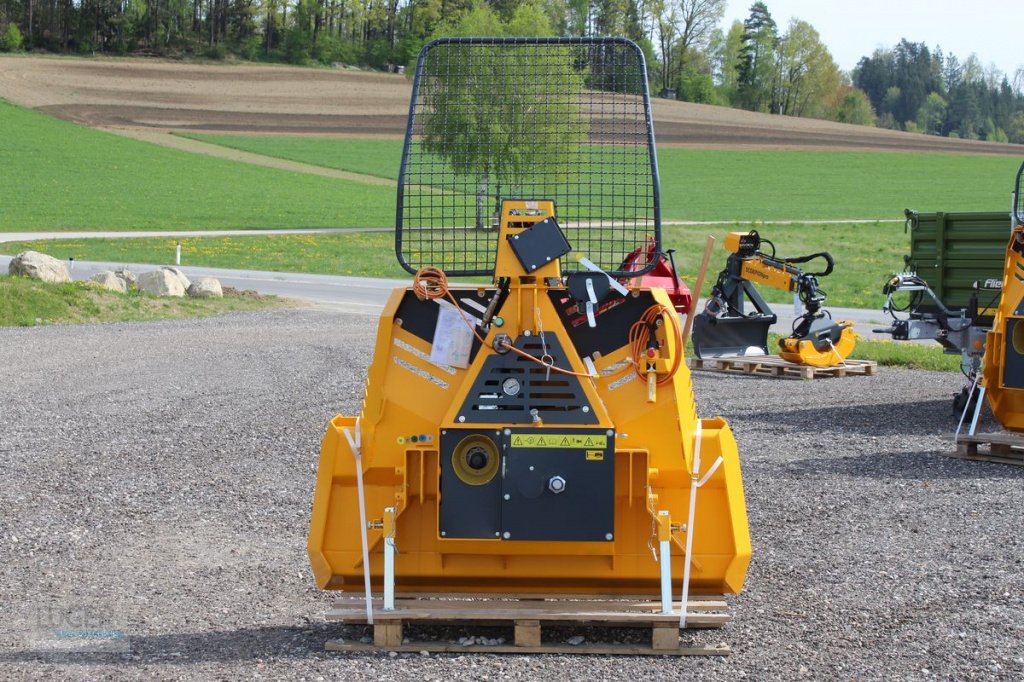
(753, 64)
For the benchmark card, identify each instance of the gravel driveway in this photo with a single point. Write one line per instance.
(157, 480)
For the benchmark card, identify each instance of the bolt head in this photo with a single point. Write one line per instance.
(556, 484)
(608, 536)
(506, 535)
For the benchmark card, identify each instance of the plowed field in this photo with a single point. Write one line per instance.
(260, 99)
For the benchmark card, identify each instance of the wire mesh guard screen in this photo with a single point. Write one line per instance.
(565, 119)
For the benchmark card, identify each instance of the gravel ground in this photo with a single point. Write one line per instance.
(157, 479)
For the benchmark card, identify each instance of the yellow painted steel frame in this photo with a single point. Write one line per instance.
(654, 452)
(756, 270)
(1005, 342)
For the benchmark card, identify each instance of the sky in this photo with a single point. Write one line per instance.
(851, 29)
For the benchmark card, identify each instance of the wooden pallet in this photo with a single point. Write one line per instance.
(527, 615)
(774, 366)
(1003, 448)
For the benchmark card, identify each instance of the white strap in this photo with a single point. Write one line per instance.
(354, 445)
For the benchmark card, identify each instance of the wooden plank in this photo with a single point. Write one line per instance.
(640, 606)
(665, 636)
(387, 634)
(999, 448)
(511, 596)
(595, 649)
(527, 633)
(490, 615)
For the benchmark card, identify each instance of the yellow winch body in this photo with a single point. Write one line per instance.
(510, 475)
(1003, 369)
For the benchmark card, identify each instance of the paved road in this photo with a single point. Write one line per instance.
(368, 295)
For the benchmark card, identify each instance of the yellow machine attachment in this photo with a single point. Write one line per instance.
(725, 329)
(513, 438)
(1003, 368)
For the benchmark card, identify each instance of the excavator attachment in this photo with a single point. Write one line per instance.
(537, 433)
(726, 328)
(1003, 368)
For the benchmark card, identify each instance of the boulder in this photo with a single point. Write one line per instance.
(161, 283)
(206, 287)
(109, 280)
(185, 283)
(39, 266)
(128, 276)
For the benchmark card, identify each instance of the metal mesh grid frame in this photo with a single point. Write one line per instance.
(561, 119)
(1018, 197)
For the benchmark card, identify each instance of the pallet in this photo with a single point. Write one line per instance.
(1002, 448)
(528, 615)
(774, 366)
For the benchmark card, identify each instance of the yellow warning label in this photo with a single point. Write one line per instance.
(595, 455)
(559, 440)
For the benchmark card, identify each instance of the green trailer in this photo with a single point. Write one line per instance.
(958, 254)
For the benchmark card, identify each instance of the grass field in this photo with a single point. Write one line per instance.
(865, 254)
(703, 184)
(59, 176)
(27, 302)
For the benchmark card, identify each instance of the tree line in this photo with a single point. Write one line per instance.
(752, 64)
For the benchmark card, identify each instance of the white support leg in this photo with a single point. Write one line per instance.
(977, 411)
(389, 564)
(666, 576)
(967, 406)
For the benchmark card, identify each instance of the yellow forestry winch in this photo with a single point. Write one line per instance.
(537, 433)
(1003, 368)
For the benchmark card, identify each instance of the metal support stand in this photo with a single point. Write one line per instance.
(977, 411)
(967, 405)
(665, 560)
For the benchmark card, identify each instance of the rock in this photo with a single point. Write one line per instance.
(128, 276)
(575, 640)
(39, 266)
(109, 280)
(160, 282)
(185, 281)
(205, 287)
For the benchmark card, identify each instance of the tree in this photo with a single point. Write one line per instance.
(724, 51)
(1015, 133)
(10, 41)
(484, 122)
(931, 117)
(757, 59)
(807, 75)
(855, 107)
(697, 19)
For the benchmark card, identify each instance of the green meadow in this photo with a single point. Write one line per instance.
(60, 176)
(736, 185)
(27, 302)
